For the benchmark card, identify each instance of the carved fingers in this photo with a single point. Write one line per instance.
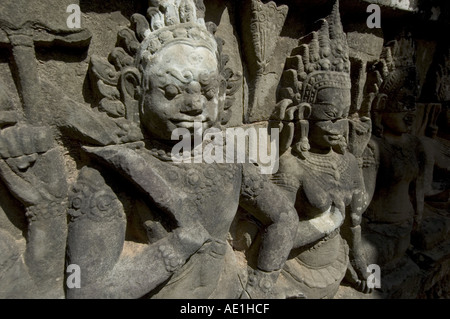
(358, 281)
(360, 267)
(366, 105)
(19, 187)
(24, 140)
(360, 132)
(360, 127)
(363, 287)
(283, 119)
(30, 166)
(284, 111)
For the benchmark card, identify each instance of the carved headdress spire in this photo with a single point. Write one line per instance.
(395, 77)
(321, 60)
(169, 22)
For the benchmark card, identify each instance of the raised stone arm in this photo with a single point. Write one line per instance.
(357, 273)
(139, 171)
(360, 129)
(134, 276)
(364, 172)
(362, 146)
(33, 170)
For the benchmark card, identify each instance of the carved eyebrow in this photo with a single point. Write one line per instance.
(332, 110)
(327, 103)
(186, 76)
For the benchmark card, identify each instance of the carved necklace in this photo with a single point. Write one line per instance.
(164, 152)
(325, 163)
(202, 182)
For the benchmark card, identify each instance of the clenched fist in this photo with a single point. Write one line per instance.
(31, 166)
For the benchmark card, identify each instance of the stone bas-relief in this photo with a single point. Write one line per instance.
(319, 175)
(396, 208)
(88, 179)
(179, 78)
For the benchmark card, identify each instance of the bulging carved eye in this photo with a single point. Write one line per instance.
(211, 93)
(331, 114)
(171, 91)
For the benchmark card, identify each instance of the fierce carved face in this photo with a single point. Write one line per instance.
(184, 86)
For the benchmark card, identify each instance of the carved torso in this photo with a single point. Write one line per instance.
(318, 184)
(319, 181)
(399, 167)
(210, 189)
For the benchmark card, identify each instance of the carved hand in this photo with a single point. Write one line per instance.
(360, 128)
(30, 165)
(283, 119)
(358, 274)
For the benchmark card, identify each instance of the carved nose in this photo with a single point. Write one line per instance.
(192, 104)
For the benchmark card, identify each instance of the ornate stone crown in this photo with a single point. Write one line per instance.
(320, 61)
(170, 22)
(396, 71)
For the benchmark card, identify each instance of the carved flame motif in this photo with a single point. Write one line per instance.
(266, 24)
